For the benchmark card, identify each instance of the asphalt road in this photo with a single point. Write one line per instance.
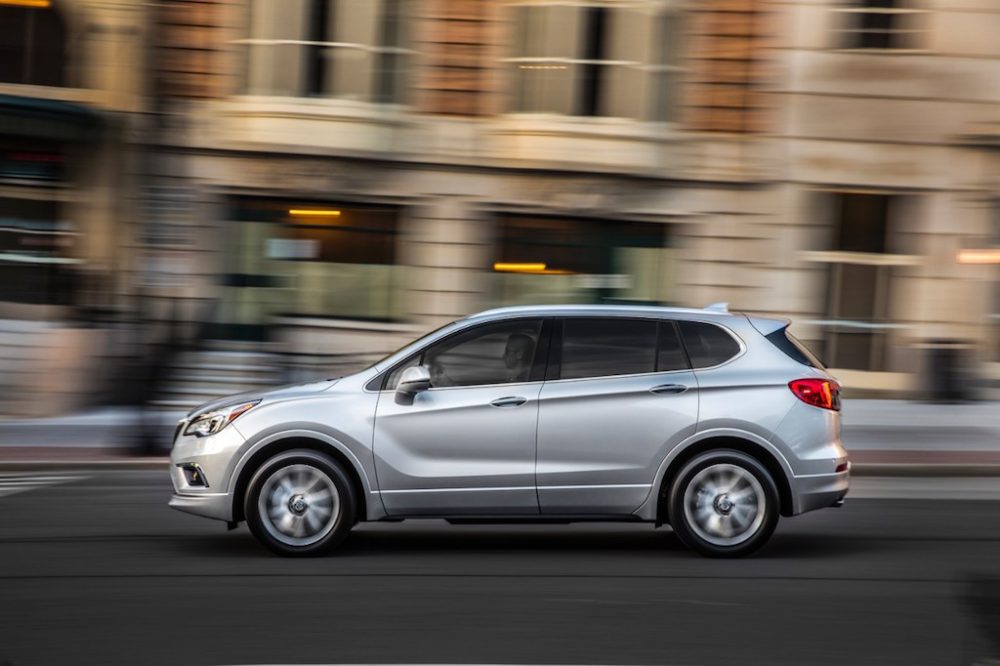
(99, 570)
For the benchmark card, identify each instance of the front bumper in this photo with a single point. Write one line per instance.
(819, 491)
(208, 505)
(214, 457)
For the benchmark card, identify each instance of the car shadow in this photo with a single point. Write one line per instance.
(431, 538)
(821, 545)
(511, 539)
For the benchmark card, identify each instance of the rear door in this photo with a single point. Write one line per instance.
(619, 395)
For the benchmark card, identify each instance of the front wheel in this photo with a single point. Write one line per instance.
(300, 503)
(723, 504)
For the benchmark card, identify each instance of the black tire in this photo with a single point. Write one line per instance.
(286, 506)
(702, 519)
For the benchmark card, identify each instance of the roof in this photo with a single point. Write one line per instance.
(602, 310)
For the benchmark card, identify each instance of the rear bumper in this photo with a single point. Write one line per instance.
(819, 491)
(208, 505)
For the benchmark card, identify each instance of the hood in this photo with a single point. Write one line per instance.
(279, 392)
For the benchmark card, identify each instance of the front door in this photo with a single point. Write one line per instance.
(466, 446)
(620, 396)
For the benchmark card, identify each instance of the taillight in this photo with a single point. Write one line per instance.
(822, 393)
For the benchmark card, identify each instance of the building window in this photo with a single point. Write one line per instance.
(666, 68)
(32, 45)
(551, 259)
(595, 60)
(880, 24)
(994, 317)
(859, 275)
(36, 246)
(310, 259)
(351, 49)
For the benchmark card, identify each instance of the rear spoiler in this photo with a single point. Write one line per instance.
(768, 325)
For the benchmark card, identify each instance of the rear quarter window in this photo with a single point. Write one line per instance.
(792, 348)
(707, 344)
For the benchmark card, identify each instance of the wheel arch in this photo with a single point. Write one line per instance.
(759, 452)
(289, 442)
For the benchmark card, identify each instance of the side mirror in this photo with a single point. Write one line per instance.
(412, 381)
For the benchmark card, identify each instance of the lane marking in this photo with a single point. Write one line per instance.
(12, 484)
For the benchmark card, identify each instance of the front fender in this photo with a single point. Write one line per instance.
(361, 464)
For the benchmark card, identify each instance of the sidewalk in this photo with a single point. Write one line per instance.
(883, 437)
(903, 438)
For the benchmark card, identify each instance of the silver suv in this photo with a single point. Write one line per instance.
(712, 422)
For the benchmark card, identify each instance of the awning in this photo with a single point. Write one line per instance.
(48, 119)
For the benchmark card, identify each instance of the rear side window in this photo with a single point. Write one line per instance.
(670, 355)
(794, 349)
(604, 347)
(707, 344)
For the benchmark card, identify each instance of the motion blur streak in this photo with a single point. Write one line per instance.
(836, 162)
(198, 198)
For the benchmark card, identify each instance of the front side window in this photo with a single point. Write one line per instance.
(607, 347)
(502, 353)
(707, 344)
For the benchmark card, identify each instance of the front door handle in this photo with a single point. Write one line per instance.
(509, 401)
(669, 389)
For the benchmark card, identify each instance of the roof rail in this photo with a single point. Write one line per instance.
(718, 307)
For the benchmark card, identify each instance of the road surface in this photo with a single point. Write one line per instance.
(96, 569)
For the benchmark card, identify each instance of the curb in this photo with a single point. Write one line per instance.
(925, 469)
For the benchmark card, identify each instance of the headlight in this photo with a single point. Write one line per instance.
(210, 423)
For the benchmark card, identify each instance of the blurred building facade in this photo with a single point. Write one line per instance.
(71, 92)
(329, 178)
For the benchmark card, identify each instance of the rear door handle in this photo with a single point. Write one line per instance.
(669, 389)
(509, 401)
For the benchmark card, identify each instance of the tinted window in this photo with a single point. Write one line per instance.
(707, 344)
(500, 353)
(670, 355)
(602, 347)
(794, 349)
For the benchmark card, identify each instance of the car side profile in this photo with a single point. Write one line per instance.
(712, 422)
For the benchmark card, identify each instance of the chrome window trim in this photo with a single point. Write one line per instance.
(667, 316)
(632, 375)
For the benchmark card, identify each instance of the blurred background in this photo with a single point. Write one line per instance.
(201, 197)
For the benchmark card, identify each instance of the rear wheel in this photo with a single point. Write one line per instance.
(724, 504)
(300, 503)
